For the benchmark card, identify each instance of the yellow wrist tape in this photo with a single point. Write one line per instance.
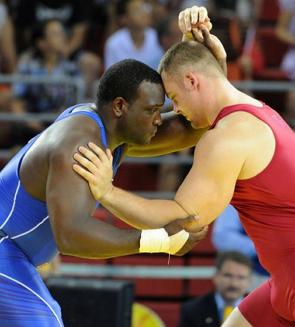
(189, 36)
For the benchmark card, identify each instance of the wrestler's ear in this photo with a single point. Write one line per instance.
(120, 105)
(191, 81)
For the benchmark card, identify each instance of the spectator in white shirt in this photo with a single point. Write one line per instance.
(136, 40)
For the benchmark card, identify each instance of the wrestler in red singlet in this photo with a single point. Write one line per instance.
(266, 205)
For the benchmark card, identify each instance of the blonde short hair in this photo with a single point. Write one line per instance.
(189, 53)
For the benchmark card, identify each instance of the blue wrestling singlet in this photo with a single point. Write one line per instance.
(26, 241)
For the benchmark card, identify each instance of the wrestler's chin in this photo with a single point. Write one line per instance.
(147, 140)
(197, 125)
(194, 125)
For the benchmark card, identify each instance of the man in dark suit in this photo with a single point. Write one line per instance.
(232, 279)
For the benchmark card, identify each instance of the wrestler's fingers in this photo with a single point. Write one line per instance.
(194, 13)
(90, 178)
(181, 24)
(208, 24)
(188, 222)
(187, 20)
(84, 162)
(203, 14)
(197, 33)
(201, 233)
(191, 224)
(90, 155)
(100, 153)
(109, 154)
(206, 37)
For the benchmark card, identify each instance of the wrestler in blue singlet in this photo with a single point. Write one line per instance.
(26, 241)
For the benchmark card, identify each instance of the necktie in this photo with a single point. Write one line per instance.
(227, 311)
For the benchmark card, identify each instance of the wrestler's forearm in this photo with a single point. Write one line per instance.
(92, 238)
(175, 134)
(140, 212)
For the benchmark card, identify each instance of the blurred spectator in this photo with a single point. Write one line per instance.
(14, 134)
(11, 133)
(231, 280)
(7, 55)
(7, 42)
(241, 9)
(228, 234)
(160, 11)
(102, 23)
(209, 4)
(90, 67)
(168, 32)
(46, 59)
(286, 32)
(252, 59)
(136, 40)
(72, 13)
(227, 29)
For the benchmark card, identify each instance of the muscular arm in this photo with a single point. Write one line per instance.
(205, 192)
(173, 135)
(71, 205)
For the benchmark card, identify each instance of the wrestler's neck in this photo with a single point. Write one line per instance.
(111, 128)
(228, 95)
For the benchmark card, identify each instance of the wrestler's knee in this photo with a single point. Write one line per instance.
(236, 319)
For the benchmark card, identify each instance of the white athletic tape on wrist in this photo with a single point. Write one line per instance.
(177, 241)
(154, 240)
(157, 240)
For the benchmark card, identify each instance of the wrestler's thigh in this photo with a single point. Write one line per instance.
(258, 311)
(22, 306)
